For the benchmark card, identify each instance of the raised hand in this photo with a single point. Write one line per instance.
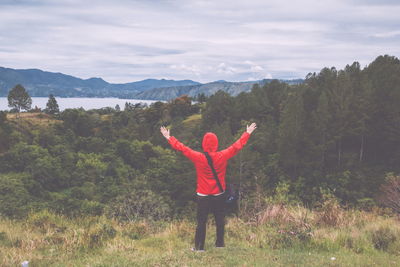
(251, 128)
(165, 132)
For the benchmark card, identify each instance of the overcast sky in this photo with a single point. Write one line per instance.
(124, 41)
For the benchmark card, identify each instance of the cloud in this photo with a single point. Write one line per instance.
(257, 68)
(377, 2)
(387, 34)
(123, 40)
(225, 69)
(193, 69)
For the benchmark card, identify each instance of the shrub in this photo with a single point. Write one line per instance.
(96, 235)
(383, 237)
(390, 196)
(89, 207)
(288, 236)
(282, 215)
(366, 203)
(4, 240)
(354, 241)
(330, 213)
(136, 231)
(139, 205)
(46, 221)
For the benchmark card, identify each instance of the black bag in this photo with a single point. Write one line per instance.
(231, 193)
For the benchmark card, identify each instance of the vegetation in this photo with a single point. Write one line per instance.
(314, 178)
(52, 106)
(337, 132)
(19, 99)
(390, 195)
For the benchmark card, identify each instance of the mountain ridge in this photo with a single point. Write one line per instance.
(232, 88)
(42, 83)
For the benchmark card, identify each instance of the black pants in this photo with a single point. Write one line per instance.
(205, 205)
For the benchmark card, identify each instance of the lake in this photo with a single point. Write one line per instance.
(77, 102)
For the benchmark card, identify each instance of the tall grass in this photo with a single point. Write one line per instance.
(277, 233)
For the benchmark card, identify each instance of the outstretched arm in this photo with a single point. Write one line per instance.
(239, 144)
(175, 144)
(251, 128)
(165, 132)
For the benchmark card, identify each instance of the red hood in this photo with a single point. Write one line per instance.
(210, 142)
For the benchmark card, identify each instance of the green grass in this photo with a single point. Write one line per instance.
(283, 238)
(230, 256)
(192, 121)
(162, 253)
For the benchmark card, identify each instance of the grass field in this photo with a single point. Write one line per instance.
(278, 236)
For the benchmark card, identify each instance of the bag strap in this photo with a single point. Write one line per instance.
(210, 162)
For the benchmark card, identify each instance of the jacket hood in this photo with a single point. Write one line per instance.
(210, 142)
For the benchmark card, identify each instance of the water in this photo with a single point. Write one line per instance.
(77, 102)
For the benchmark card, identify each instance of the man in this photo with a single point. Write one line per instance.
(209, 196)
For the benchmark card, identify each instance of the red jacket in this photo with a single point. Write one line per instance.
(206, 183)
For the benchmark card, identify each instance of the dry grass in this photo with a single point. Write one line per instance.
(281, 214)
(32, 119)
(106, 117)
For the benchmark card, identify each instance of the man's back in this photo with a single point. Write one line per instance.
(206, 183)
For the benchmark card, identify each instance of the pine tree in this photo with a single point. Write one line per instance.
(19, 99)
(52, 106)
(291, 134)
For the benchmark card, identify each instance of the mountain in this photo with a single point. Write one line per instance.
(167, 93)
(232, 88)
(43, 83)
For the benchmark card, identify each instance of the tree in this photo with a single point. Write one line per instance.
(383, 75)
(201, 98)
(219, 108)
(181, 106)
(52, 106)
(3, 117)
(19, 99)
(291, 134)
(81, 122)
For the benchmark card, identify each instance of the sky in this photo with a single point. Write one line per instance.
(129, 40)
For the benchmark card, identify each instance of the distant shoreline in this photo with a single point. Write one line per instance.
(80, 102)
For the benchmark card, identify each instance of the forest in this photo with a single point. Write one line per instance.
(336, 134)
